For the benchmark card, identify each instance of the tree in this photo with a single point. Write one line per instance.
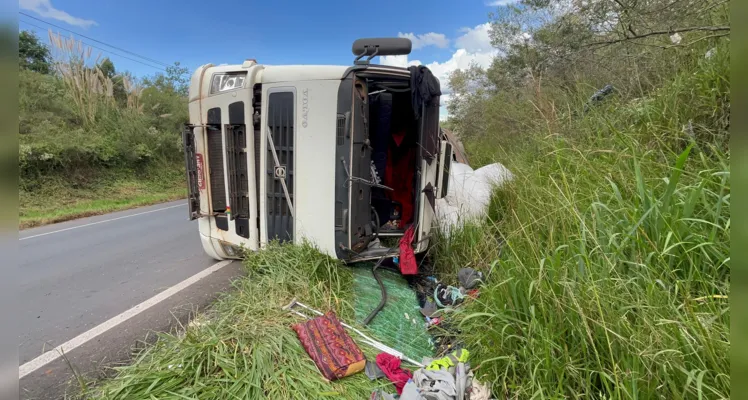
(164, 96)
(179, 78)
(33, 54)
(176, 80)
(106, 66)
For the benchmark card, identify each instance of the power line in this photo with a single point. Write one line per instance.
(105, 50)
(95, 40)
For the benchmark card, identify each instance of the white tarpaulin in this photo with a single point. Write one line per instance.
(468, 194)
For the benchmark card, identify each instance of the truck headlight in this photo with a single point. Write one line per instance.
(230, 249)
(223, 82)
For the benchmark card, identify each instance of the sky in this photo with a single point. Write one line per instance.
(446, 34)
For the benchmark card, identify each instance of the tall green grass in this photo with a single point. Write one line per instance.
(245, 347)
(608, 257)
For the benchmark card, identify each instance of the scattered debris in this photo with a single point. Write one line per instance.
(365, 338)
(429, 308)
(479, 391)
(469, 278)
(407, 259)
(330, 347)
(448, 361)
(468, 194)
(446, 377)
(598, 97)
(391, 367)
(445, 295)
(373, 371)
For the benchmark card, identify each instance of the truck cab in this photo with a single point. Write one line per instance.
(338, 156)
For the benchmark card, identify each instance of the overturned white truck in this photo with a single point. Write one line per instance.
(337, 155)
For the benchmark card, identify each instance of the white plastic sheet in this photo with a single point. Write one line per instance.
(468, 194)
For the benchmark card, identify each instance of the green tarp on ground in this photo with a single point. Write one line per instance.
(399, 324)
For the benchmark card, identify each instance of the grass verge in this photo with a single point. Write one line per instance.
(245, 347)
(59, 199)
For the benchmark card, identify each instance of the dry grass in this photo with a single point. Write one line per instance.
(90, 90)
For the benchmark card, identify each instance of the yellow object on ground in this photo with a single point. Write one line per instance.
(450, 360)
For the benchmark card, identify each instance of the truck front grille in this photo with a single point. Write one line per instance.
(280, 124)
(215, 168)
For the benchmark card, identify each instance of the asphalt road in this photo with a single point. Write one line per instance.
(74, 276)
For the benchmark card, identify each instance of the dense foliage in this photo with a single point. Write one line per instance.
(32, 54)
(609, 255)
(83, 124)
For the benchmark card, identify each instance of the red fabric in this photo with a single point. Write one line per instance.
(390, 365)
(408, 264)
(329, 345)
(399, 175)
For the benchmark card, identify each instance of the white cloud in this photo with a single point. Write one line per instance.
(475, 40)
(472, 46)
(45, 9)
(461, 59)
(427, 39)
(499, 3)
(398, 61)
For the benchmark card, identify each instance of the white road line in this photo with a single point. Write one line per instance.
(84, 337)
(101, 222)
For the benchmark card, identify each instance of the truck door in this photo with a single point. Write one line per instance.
(353, 227)
(428, 172)
(445, 164)
(194, 166)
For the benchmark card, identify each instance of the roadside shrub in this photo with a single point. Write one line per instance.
(72, 126)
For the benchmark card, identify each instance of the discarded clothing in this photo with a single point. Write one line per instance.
(479, 391)
(431, 385)
(445, 295)
(408, 265)
(373, 371)
(425, 92)
(469, 278)
(450, 360)
(390, 365)
(330, 347)
(410, 391)
(463, 381)
(447, 378)
(424, 287)
(424, 86)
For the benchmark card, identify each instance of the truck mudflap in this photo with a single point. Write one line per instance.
(194, 166)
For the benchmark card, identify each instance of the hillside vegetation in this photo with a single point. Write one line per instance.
(92, 139)
(609, 255)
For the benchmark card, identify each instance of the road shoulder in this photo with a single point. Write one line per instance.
(94, 359)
